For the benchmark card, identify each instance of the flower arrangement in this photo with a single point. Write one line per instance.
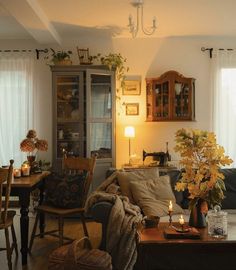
(202, 158)
(32, 144)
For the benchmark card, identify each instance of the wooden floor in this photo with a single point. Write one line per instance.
(38, 260)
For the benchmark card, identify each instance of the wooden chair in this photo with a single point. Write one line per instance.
(7, 216)
(70, 166)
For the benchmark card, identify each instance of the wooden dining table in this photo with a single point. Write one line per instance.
(22, 187)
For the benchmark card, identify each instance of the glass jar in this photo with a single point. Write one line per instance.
(217, 222)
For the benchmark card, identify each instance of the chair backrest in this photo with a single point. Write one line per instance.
(6, 174)
(72, 165)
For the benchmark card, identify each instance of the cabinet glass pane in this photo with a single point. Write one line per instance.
(67, 98)
(101, 140)
(162, 100)
(181, 100)
(68, 122)
(101, 100)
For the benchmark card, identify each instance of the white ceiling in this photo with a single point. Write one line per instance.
(52, 21)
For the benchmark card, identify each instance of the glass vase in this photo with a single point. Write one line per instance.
(31, 160)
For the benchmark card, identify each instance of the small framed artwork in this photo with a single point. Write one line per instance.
(132, 108)
(132, 88)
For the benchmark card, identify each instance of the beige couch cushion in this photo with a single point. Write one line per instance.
(153, 196)
(124, 179)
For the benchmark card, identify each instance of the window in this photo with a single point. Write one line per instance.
(224, 101)
(16, 105)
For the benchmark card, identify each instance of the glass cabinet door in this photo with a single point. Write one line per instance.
(69, 115)
(161, 102)
(100, 111)
(182, 99)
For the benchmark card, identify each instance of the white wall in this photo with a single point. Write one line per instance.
(148, 58)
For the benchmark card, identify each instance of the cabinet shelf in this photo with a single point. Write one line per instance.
(67, 83)
(68, 101)
(170, 97)
(100, 84)
(68, 140)
(63, 120)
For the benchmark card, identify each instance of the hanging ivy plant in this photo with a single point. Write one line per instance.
(117, 62)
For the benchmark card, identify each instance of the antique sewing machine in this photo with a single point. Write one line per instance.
(162, 157)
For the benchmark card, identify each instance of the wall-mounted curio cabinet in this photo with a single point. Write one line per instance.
(84, 115)
(170, 97)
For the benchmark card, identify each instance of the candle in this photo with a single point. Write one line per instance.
(170, 206)
(17, 173)
(181, 220)
(25, 170)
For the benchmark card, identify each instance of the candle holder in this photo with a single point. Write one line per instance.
(170, 218)
(182, 229)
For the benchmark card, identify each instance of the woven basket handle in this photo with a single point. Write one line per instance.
(70, 260)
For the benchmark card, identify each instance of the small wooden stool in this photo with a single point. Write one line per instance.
(75, 257)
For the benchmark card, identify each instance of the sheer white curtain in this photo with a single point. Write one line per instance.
(16, 104)
(224, 100)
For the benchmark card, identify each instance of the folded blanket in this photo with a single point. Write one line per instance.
(123, 219)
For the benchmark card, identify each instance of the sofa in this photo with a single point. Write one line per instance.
(101, 210)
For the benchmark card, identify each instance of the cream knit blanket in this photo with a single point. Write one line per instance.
(123, 219)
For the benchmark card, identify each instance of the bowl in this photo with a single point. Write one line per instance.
(151, 221)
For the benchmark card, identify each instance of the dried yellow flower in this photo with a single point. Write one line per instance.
(201, 159)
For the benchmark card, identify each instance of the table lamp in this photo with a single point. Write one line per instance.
(129, 133)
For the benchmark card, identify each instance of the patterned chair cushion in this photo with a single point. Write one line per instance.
(65, 191)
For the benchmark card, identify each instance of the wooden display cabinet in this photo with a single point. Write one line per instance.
(84, 115)
(170, 97)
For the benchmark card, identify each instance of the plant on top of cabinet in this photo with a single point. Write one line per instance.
(114, 61)
(117, 62)
(170, 97)
(60, 57)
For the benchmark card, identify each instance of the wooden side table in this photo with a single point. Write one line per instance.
(206, 253)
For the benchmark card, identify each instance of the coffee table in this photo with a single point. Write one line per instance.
(155, 252)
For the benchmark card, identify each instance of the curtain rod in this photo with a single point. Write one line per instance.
(38, 51)
(203, 49)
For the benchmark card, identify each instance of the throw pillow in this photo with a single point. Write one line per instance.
(125, 177)
(153, 196)
(230, 184)
(65, 191)
(174, 177)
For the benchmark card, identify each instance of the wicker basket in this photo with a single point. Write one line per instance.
(76, 257)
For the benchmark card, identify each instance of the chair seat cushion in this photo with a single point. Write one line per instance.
(9, 220)
(50, 209)
(65, 191)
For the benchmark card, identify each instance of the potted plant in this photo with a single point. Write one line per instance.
(117, 62)
(61, 57)
(201, 159)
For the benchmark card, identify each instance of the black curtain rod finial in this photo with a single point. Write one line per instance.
(39, 51)
(203, 49)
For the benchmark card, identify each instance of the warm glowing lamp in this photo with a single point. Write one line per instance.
(129, 133)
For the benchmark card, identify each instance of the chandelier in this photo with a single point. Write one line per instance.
(133, 29)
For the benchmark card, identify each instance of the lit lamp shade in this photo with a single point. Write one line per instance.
(129, 132)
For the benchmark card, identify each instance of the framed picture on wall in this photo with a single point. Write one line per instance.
(132, 108)
(132, 88)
